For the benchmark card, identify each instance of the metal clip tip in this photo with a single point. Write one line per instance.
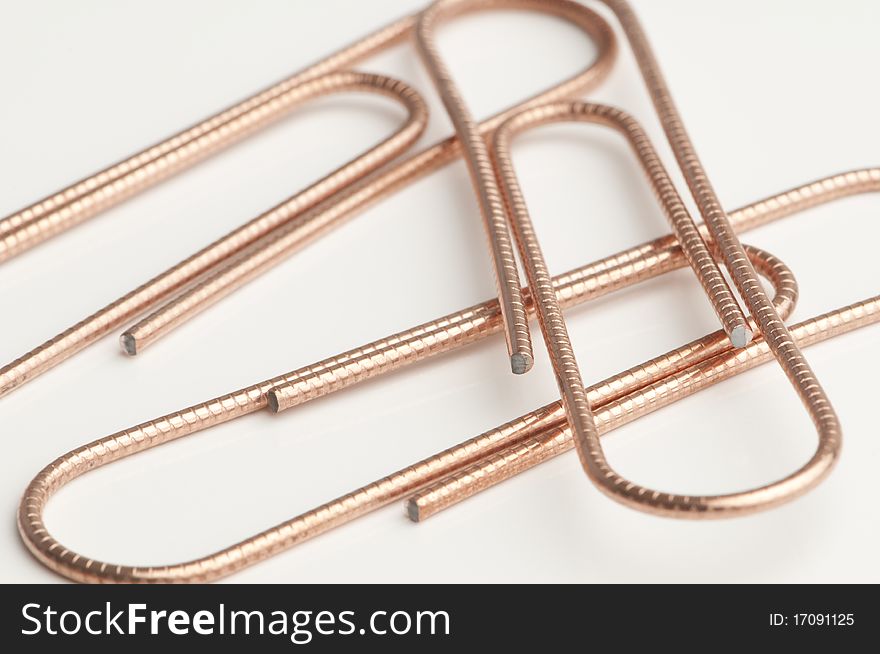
(521, 363)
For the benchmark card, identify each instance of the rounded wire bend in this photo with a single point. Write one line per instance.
(90, 196)
(550, 318)
(544, 433)
(771, 326)
(191, 269)
(494, 209)
(491, 204)
(311, 382)
(236, 273)
(628, 267)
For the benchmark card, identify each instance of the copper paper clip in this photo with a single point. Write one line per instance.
(581, 416)
(203, 279)
(495, 209)
(575, 401)
(486, 179)
(466, 468)
(111, 186)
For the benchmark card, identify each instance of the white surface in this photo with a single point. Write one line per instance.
(774, 94)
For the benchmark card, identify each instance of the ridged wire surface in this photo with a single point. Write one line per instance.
(87, 331)
(772, 328)
(555, 437)
(101, 323)
(527, 447)
(589, 282)
(176, 425)
(283, 242)
(511, 437)
(550, 318)
(307, 383)
(88, 197)
(492, 209)
(464, 327)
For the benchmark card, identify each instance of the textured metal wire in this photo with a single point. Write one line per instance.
(491, 203)
(283, 242)
(32, 225)
(88, 197)
(494, 209)
(772, 328)
(307, 383)
(115, 314)
(731, 251)
(604, 274)
(528, 446)
(553, 436)
(710, 208)
(549, 312)
(474, 323)
(685, 229)
(636, 392)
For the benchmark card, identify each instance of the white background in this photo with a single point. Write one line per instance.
(773, 93)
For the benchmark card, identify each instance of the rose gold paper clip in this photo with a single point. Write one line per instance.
(113, 185)
(456, 473)
(548, 431)
(618, 400)
(495, 209)
(237, 273)
(209, 275)
(732, 253)
(575, 403)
